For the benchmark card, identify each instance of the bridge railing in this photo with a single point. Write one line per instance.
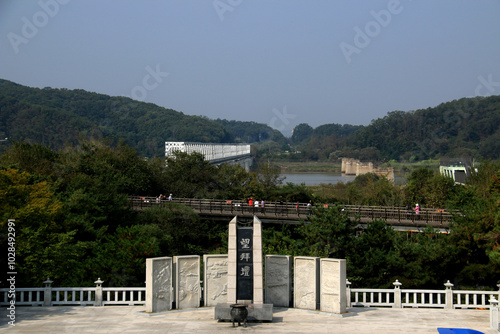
(427, 216)
(229, 207)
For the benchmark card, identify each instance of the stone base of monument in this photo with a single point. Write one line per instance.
(256, 312)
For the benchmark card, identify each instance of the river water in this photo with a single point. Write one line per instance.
(313, 179)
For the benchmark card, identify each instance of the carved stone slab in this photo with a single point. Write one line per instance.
(306, 283)
(215, 279)
(187, 278)
(159, 284)
(279, 280)
(332, 285)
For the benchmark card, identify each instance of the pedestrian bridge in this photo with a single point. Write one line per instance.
(398, 218)
(216, 154)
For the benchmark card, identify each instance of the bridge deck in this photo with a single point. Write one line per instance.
(299, 212)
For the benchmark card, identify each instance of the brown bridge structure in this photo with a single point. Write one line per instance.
(399, 218)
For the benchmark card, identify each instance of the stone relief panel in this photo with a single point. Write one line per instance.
(215, 279)
(159, 284)
(332, 285)
(305, 282)
(188, 281)
(278, 280)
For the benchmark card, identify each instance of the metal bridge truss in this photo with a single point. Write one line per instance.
(211, 152)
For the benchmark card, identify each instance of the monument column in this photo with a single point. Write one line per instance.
(245, 283)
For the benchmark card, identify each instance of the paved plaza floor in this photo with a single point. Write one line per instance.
(133, 319)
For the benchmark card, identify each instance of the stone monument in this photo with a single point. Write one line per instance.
(159, 284)
(279, 280)
(332, 285)
(245, 272)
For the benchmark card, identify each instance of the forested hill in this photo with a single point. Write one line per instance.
(465, 127)
(469, 127)
(59, 117)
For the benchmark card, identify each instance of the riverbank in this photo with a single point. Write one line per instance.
(308, 167)
(292, 167)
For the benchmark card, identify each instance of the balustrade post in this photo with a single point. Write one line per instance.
(449, 295)
(98, 292)
(348, 292)
(397, 294)
(494, 314)
(47, 292)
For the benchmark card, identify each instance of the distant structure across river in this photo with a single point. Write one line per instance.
(352, 166)
(216, 154)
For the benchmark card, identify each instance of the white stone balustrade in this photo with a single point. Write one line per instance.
(355, 297)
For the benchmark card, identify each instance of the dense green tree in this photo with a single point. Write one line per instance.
(43, 247)
(366, 189)
(476, 227)
(294, 193)
(330, 233)
(266, 182)
(281, 240)
(182, 230)
(35, 159)
(375, 260)
(431, 259)
(190, 175)
(301, 133)
(232, 182)
(429, 188)
(129, 246)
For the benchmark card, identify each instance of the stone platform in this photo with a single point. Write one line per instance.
(256, 312)
(134, 320)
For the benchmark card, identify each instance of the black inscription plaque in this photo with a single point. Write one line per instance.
(244, 263)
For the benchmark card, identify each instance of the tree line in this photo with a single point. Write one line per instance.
(468, 127)
(60, 117)
(73, 222)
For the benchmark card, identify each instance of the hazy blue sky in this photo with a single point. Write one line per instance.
(279, 62)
